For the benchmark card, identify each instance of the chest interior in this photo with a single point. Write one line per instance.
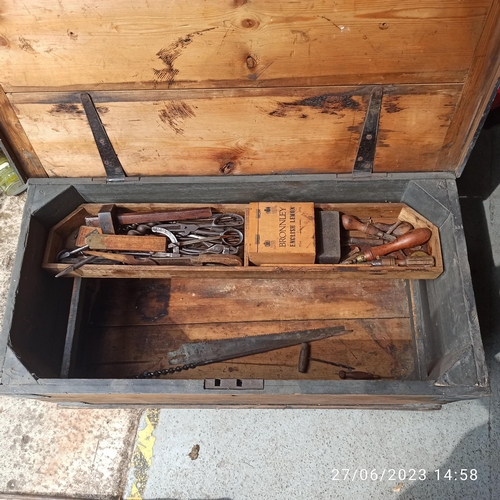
(341, 104)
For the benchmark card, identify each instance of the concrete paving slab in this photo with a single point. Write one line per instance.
(11, 209)
(493, 358)
(283, 454)
(73, 452)
(48, 450)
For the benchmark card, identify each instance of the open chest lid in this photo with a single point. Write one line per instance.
(246, 87)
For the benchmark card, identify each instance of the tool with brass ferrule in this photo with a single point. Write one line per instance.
(411, 239)
(196, 354)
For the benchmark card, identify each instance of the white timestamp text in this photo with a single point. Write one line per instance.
(404, 474)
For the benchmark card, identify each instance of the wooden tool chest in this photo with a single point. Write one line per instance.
(368, 108)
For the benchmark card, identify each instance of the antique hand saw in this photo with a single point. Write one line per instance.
(195, 354)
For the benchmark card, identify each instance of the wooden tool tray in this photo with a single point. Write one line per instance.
(368, 108)
(383, 213)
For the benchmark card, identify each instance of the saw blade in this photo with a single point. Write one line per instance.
(215, 351)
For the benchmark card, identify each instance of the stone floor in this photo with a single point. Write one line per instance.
(49, 451)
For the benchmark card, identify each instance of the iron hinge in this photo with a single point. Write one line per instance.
(363, 165)
(112, 165)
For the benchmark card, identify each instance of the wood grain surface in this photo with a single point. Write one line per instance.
(479, 89)
(134, 323)
(154, 44)
(17, 141)
(243, 132)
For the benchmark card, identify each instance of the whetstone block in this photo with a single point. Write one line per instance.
(327, 237)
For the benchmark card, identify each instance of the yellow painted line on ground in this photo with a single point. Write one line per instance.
(143, 454)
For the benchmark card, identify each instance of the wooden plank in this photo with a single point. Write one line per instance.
(11, 130)
(185, 301)
(74, 327)
(412, 131)
(97, 241)
(153, 44)
(64, 234)
(482, 80)
(434, 244)
(215, 398)
(291, 271)
(380, 346)
(102, 97)
(305, 130)
(243, 135)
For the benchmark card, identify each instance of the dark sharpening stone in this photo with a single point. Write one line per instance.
(327, 237)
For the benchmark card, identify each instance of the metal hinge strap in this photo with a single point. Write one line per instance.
(112, 165)
(363, 165)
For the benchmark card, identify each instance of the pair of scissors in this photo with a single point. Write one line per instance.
(231, 236)
(220, 223)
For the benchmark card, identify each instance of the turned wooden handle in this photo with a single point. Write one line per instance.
(412, 239)
(305, 353)
(357, 375)
(352, 223)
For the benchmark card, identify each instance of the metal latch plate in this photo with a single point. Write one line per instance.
(234, 383)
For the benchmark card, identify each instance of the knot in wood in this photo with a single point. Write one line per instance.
(251, 62)
(227, 168)
(249, 23)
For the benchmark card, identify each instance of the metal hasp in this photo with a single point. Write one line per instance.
(241, 384)
(216, 351)
(112, 165)
(365, 157)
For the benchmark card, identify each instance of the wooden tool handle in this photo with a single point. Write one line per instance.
(145, 217)
(357, 375)
(412, 239)
(305, 353)
(352, 223)
(220, 259)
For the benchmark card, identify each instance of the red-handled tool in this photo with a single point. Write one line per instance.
(412, 239)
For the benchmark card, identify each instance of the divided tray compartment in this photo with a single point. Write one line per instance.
(62, 236)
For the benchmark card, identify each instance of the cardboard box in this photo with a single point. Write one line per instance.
(281, 233)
